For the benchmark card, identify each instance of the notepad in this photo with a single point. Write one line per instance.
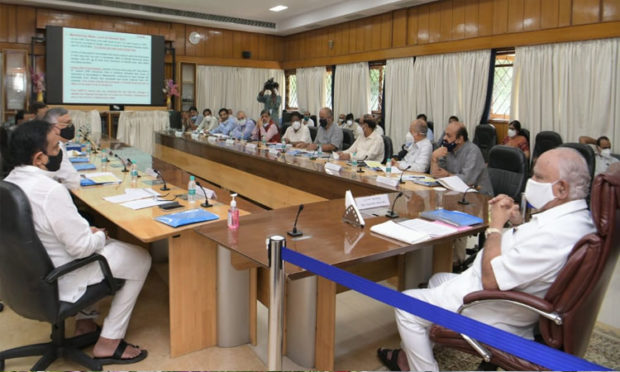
(393, 230)
(98, 178)
(84, 166)
(455, 218)
(186, 217)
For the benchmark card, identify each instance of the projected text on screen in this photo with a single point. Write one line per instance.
(106, 67)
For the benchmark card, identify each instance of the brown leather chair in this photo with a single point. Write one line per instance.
(570, 307)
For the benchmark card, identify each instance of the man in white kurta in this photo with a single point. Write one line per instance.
(525, 258)
(67, 236)
(67, 174)
(296, 132)
(419, 152)
(368, 146)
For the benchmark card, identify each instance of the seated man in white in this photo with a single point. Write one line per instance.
(66, 174)
(368, 146)
(296, 132)
(526, 258)
(370, 117)
(350, 124)
(209, 122)
(419, 152)
(67, 236)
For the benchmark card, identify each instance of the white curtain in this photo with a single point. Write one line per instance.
(569, 88)
(137, 128)
(311, 88)
(87, 121)
(352, 89)
(398, 97)
(451, 84)
(234, 87)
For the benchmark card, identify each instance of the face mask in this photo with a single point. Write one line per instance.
(265, 123)
(512, 133)
(53, 163)
(606, 153)
(306, 118)
(408, 139)
(193, 118)
(349, 122)
(296, 125)
(538, 194)
(208, 115)
(68, 132)
(323, 123)
(449, 145)
(241, 122)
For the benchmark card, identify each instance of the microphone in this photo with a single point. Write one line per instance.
(463, 201)
(206, 203)
(390, 213)
(123, 162)
(403, 173)
(94, 145)
(296, 232)
(165, 186)
(359, 164)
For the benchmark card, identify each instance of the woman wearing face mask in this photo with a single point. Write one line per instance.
(516, 138)
(296, 132)
(266, 129)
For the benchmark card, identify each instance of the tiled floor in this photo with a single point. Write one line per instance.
(363, 326)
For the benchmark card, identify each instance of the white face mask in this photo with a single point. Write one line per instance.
(241, 122)
(538, 194)
(349, 122)
(408, 139)
(606, 153)
(512, 133)
(296, 125)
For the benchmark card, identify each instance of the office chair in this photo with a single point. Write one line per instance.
(544, 141)
(570, 308)
(29, 285)
(508, 171)
(388, 150)
(347, 138)
(485, 137)
(526, 133)
(175, 119)
(313, 131)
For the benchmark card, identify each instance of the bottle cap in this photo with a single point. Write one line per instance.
(191, 178)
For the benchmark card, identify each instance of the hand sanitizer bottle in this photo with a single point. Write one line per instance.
(233, 214)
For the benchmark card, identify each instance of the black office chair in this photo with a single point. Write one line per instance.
(284, 128)
(315, 120)
(313, 131)
(485, 138)
(544, 141)
(347, 138)
(526, 133)
(388, 150)
(29, 285)
(508, 171)
(286, 117)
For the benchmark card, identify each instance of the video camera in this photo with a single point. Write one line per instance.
(271, 85)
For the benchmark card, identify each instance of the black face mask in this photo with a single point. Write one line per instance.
(449, 145)
(54, 162)
(68, 132)
(323, 123)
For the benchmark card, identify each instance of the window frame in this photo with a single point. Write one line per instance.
(501, 54)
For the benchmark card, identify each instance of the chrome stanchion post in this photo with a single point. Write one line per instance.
(276, 290)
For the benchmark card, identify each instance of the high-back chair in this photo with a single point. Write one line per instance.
(347, 138)
(29, 284)
(388, 149)
(570, 308)
(485, 137)
(544, 141)
(508, 171)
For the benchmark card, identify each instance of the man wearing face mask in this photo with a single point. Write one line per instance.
(602, 149)
(67, 236)
(350, 124)
(266, 129)
(296, 132)
(209, 122)
(418, 153)
(527, 258)
(227, 123)
(328, 136)
(307, 120)
(457, 156)
(60, 165)
(243, 129)
(369, 146)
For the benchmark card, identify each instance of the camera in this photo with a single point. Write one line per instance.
(271, 85)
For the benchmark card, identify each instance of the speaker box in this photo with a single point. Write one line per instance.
(246, 54)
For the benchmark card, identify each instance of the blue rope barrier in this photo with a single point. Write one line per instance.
(506, 341)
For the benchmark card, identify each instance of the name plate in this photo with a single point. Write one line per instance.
(373, 201)
(273, 151)
(230, 141)
(212, 139)
(332, 167)
(388, 181)
(250, 146)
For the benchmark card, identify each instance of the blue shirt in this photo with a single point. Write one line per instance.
(226, 127)
(243, 131)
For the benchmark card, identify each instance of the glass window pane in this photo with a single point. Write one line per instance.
(292, 91)
(376, 87)
(328, 88)
(16, 81)
(502, 87)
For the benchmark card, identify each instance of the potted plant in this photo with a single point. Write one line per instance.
(170, 89)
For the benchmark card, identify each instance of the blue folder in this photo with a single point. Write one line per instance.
(452, 217)
(186, 217)
(87, 182)
(74, 146)
(78, 160)
(81, 167)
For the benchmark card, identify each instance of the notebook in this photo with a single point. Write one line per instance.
(84, 166)
(455, 218)
(78, 160)
(186, 217)
(399, 232)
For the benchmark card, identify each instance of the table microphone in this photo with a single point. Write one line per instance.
(165, 186)
(123, 162)
(296, 232)
(390, 213)
(463, 201)
(359, 164)
(403, 173)
(206, 203)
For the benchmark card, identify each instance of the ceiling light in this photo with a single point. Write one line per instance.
(278, 8)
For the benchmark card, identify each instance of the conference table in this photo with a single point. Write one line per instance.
(282, 182)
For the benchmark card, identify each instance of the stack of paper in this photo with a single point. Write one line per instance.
(132, 194)
(454, 183)
(399, 232)
(99, 178)
(433, 229)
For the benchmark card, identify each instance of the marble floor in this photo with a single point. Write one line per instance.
(363, 326)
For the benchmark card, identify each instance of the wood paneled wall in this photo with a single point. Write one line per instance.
(452, 25)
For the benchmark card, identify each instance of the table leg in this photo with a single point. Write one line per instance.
(326, 324)
(193, 307)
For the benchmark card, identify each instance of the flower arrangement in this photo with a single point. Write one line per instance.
(38, 81)
(170, 88)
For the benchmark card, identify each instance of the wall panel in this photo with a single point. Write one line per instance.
(434, 22)
(471, 18)
(549, 13)
(445, 31)
(515, 15)
(586, 11)
(485, 18)
(458, 19)
(399, 28)
(500, 17)
(610, 11)
(412, 26)
(531, 15)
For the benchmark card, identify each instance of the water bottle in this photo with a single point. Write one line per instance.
(388, 167)
(191, 190)
(104, 160)
(134, 174)
(264, 140)
(319, 151)
(354, 162)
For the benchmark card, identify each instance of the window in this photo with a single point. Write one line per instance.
(329, 95)
(291, 90)
(502, 86)
(376, 86)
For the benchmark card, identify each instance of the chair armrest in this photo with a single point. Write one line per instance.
(74, 265)
(524, 300)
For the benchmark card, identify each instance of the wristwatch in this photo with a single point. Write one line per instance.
(492, 230)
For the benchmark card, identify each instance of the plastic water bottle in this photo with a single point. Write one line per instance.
(104, 160)
(191, 190)
(388, 167)
(354, 162)
(134, 174)
(319, 151)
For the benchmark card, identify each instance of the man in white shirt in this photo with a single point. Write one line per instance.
(602, 150)
(67, 236)
(296, 132)
(209, 122)
(67, 174)
(350, 124)
(368, 146)
(419, 152)
(527, 258)
(365, 117)
(307, 120)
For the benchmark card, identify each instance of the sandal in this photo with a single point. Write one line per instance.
(391, 363)
(117, 357)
